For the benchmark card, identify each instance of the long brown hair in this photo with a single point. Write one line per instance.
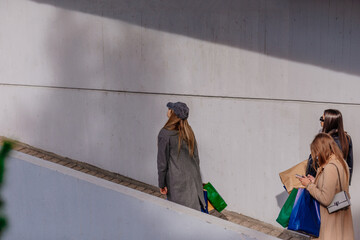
(333, 123)
(322, 147)
(184, 129)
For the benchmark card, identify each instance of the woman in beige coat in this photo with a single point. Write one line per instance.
(337, 225)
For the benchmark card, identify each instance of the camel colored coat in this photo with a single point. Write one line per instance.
(337, 225)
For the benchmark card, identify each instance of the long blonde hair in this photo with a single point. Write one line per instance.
(184, 129)
(322, 147)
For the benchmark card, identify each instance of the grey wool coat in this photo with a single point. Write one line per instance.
(179, 172)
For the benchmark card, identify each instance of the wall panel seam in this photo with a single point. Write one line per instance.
(180, 94)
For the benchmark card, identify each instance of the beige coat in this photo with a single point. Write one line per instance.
(337, 225)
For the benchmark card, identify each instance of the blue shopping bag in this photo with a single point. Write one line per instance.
(205, 208)
(305, 215)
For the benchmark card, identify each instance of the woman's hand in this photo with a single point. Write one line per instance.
(305, 181)
(312, 179)
(163, 190)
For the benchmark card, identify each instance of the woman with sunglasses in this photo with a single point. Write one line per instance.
(332, 123)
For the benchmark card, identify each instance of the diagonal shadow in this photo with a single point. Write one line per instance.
(320, 33)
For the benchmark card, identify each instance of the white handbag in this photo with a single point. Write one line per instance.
(341, 200)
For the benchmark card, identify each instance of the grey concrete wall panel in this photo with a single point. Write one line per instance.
(243, 144)
(90, 79)
(247, 48)
(49, 201)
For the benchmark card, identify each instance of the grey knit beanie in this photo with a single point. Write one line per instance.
(180, 109)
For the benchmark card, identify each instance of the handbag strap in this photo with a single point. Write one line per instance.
(338, 175)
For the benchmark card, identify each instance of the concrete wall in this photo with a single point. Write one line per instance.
(90, 80)
(48, 201)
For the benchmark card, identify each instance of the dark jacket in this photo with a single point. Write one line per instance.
(179, 172)
(349, 160)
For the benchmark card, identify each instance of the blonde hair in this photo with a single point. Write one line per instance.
(184, 129)
(322, 147)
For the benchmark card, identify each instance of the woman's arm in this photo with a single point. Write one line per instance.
(196, 154)
(349, 159)
(309, 167)
(162, 159)
(325, 193)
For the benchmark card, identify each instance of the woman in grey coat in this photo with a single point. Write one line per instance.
(178, 160)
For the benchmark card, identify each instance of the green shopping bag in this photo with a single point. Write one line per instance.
(286, 210)
(214, 197)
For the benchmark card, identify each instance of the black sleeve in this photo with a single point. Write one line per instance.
(162, 159)
(309, 168)
(349, 159)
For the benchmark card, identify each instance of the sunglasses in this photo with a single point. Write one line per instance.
(322, 119)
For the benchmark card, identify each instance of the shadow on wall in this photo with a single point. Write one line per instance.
(281, 198)
(322, 33)
(96, 118)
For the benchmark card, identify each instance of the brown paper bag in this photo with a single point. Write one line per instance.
(289, 179)
(210, 206)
